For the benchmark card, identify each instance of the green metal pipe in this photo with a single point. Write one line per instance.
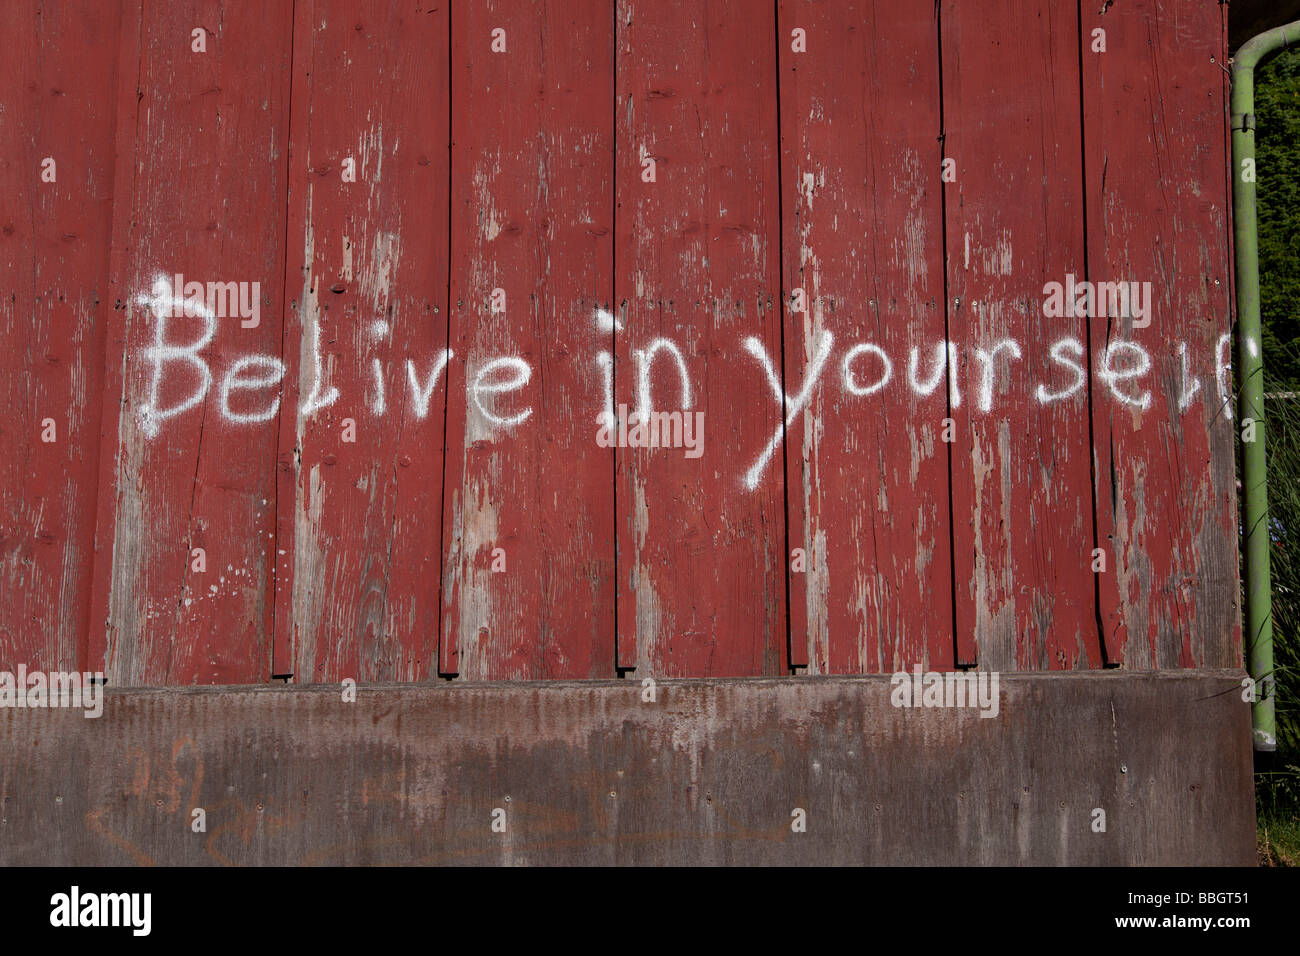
(1259, 603)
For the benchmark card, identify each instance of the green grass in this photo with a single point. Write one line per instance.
(1277, 790)
(1277, 111)
(1283, 421)
(1279, 839)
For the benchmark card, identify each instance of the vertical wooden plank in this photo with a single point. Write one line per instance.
(529, 506)
(57, 80)
(187, 457)
(1158, 213)
(701, 541)
(361, 428)
(863, 240)
(1022, 491)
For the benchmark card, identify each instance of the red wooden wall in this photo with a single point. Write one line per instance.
(478, 228)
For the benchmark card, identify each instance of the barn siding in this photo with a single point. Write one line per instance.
(1022, 491)
(775, 170)
(863, 241)
(358, 521)
(588, 773)
(199, 190)
(1166, 496)
(529, 507)
(54, 295)
(700, 550)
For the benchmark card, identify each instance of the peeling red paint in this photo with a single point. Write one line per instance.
(642, 181)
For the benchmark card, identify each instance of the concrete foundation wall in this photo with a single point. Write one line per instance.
(709, 772)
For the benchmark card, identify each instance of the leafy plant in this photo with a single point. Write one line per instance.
(1277, 111)
(1277, 149)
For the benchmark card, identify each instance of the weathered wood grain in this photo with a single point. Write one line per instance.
(529, 505)
(1022, 491)
(1158, 212)
(867, 469)
(701, 555)
(367, 328)
(199, 189)
(589, 773)
(54, 305)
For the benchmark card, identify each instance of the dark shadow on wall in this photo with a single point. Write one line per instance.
(1249, 17)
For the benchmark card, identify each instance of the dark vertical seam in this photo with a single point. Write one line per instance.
(780, 246)
(284, 353)
(439, 629)
(947, 337)
(1087, 346)
(614, 308)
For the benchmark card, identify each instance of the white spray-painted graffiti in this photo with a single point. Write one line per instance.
(865, 369)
